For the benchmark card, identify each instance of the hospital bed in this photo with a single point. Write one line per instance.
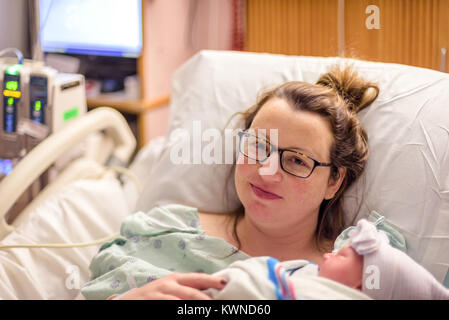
(406, 178)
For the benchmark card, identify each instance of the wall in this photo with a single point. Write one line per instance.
(410, 32)
(305, 27)
(174, 30)
(413, 32)
(14, 25)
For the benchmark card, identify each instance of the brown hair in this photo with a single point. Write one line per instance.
(337, 96)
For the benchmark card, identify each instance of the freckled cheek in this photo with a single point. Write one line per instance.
(299, 189)
(308, 189)
(242, 173)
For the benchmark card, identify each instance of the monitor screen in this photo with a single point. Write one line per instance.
(92, 27)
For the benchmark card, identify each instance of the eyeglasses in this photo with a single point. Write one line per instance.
(293, 162)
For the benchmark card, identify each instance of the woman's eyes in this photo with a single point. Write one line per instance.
(298, 161)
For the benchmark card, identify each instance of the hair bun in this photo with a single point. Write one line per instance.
(355, 91)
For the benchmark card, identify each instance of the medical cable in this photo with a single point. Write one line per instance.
(61, 245)
(17, 52)
(126, 172)
(120, 170)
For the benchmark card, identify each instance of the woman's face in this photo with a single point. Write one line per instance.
(281, 199)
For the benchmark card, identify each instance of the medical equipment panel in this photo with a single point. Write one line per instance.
(36, 101)
(38, 98)
(11, 80)
(11, 97)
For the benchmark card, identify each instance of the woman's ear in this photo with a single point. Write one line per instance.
(335, 183)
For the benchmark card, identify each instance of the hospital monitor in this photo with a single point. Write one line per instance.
(91, 27)
(104, 35)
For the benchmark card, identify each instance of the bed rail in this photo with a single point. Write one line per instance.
(105, 119)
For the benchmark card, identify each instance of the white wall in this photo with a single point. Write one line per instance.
(14, 29)
(174, 31)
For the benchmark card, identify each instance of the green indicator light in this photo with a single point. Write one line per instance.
(14, 69)
(10, 101)
(37, 105)
(12, 85)
(69, 114)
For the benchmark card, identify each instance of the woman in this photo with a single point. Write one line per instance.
(295, 212)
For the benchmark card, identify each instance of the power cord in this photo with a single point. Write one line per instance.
(60, 245)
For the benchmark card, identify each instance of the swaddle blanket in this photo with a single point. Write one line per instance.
(265, 278)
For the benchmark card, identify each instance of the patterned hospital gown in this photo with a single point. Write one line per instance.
(154, 244)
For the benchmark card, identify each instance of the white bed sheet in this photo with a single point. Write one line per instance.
(84, 211)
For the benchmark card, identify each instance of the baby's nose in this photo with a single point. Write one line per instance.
(327, 255)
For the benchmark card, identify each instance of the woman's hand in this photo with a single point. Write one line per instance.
(176, 286)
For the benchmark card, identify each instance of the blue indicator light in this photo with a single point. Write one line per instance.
(5, 166)
(9, 123)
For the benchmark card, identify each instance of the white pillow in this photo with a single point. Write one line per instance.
(407, 171)
(408, 127)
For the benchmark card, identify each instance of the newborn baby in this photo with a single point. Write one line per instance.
(371, 264)
(369, 267)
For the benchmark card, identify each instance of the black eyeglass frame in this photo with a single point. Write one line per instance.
(274, 148)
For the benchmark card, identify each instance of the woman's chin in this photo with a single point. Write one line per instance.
(262, 212)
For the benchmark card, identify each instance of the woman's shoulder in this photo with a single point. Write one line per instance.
(213, 217)
(208, 219)
(216, 225)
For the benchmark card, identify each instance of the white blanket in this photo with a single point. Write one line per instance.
(81, 212)
(265, 278)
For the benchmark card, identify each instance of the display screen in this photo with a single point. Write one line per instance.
(11, 96)
(38, 98)
(12, 85)
(97, 27)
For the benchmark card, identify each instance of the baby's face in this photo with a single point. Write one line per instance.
(345, 266)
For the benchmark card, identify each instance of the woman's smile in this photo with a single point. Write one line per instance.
(264, 194)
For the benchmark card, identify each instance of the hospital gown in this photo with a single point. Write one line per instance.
(154, 244)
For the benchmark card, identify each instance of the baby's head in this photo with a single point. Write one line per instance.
(347, 264)
(344, 266)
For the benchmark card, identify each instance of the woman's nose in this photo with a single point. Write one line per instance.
(270, 168)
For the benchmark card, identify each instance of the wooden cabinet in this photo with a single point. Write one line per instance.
(136, 107)
(412, 32)
(296, 27)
